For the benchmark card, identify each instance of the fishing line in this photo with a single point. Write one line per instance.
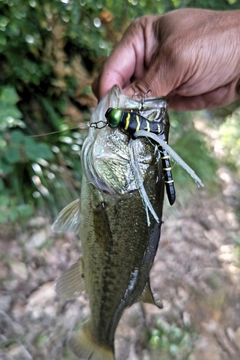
(59, 131)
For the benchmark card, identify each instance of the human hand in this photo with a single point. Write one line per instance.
(192, 56)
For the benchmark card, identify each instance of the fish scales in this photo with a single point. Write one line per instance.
(118, 243)
(118, 251)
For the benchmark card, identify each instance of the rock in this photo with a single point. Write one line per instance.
(19, 270)
(206, 349)
(73, 314)
(3, 356)
(42, 296)
(3, 270)
(18, 352)
(10, 285)
(237, 335)
(8, 327)
(226, 253)
(37, 239)
(187, 319)
(5, 302)
(38, 222)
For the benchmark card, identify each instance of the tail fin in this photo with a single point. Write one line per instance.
(82, 345)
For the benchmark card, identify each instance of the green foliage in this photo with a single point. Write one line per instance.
(230, 137)
(49, 53)
(207, 4)
(170, 341)
(237, 252)
(193, 148)
(10, 115)
(27, 171)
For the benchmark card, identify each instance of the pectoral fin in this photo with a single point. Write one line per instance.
(83, 345)
(150, 298)
(68, 219)
(71, 283)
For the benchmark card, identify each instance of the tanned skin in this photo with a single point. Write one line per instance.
(192, 56)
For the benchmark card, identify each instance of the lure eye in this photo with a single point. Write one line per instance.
(113, 117)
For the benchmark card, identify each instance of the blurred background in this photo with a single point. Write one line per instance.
(50, 52)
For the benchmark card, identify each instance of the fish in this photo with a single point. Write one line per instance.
(118, 230)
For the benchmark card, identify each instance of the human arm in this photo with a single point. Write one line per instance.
(192, 56)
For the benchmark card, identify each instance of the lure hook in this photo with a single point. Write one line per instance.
(137, 95)
(141, 97)
(144, 97)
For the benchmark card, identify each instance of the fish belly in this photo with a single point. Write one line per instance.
(118, 252)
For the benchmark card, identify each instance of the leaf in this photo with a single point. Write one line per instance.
(45, 151)
(12, 155)
(13, 214)
(10, 116)
(25, 210)
(11, 111)
(32, 151)
(2, 186)
(3, 217)
(35, 151)
(9, 95)
(5, 168)
(18, 137)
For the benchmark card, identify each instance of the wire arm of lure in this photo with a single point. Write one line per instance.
(170, 151)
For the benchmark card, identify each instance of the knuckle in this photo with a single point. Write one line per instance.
(136, 24)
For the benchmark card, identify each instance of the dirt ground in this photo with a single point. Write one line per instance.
(196, 273)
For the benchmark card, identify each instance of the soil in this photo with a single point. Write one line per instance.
(196, 273)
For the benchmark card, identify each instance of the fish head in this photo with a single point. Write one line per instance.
(106, 153)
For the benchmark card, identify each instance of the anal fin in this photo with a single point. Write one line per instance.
(150, 298)
(71, 283)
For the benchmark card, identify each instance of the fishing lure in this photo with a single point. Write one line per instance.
(132, 122)
(174, 155)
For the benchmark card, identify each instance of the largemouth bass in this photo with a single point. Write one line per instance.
(118, 218)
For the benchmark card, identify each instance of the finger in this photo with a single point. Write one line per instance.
(130, 58)
(164, 73)
(210, 100)
(153, 81)
(126, 61)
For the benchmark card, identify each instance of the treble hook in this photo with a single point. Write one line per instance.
(137, 95)
(145, 95)
(142, 97)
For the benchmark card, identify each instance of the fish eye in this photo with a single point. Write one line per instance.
(113, 117)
